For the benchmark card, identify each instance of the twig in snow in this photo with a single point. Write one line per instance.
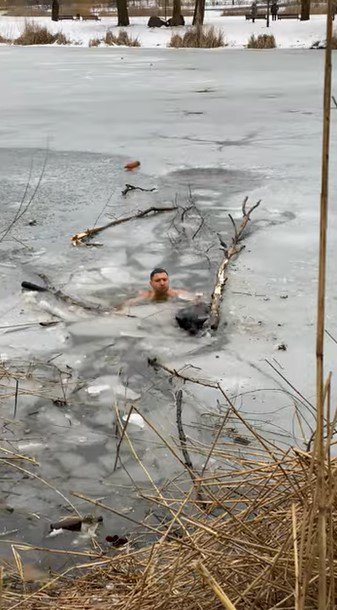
(16, 397)
(181, 433)
(331, 336)
(122, 435)
(131, 187)
(21, 211)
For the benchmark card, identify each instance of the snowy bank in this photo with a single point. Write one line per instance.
(288, 34)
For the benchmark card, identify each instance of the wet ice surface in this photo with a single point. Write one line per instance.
(258, 134)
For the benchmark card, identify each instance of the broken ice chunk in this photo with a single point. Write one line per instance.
(135, 419)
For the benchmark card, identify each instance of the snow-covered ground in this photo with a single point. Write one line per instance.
(288, 33)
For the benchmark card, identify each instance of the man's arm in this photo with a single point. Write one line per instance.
(142, 296)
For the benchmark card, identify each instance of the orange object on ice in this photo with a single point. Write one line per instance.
(131, 165)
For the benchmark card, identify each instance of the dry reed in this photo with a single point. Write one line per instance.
(247, 545)
(94, 42)
(199, 37)
(33, 34)
(262, 41)
(121, 39)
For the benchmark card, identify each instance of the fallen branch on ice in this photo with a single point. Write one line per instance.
(233, 249)
(174, 373)
(80, 238)
(130, 187)
(59, 294)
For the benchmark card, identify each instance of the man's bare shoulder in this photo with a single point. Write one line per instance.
(144, 294)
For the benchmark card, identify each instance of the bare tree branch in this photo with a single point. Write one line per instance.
(80, 238)
(130, 187)
(21, 211)
(234, 249)
(188, 462)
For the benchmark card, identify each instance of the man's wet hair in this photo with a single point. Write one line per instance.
(157, 270)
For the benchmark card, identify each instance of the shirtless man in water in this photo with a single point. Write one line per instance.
(160, 290)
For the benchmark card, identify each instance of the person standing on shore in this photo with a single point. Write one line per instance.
(254, 11)
(274, 11)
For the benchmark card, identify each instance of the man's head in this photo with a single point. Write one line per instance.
(159, 281)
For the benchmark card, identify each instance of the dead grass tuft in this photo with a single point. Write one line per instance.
(94, 42)
(199, 37)
(4, 40)
(262, 41)
(36, 34)
(242, 544)
(122, 39)
(62, 39)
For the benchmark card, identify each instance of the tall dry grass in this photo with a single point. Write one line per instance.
(95, 42)
(199, 37)
(250, 543)
(241, 534)
(121, 39)
(262, 41)
(35, 34)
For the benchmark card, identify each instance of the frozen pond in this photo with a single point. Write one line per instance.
(223, 125)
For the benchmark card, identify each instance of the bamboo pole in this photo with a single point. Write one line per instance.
(319, 445)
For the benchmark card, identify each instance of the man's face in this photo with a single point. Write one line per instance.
(160, 283)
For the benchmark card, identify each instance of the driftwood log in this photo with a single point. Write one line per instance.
(229, 252)
(80, 238)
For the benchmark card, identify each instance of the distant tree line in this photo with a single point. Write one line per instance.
(198, 15)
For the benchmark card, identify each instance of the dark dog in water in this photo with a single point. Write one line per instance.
(193, 317)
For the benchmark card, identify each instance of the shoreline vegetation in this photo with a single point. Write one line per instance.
(241, 531)
(89, 25)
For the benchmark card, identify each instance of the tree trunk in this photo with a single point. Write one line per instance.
(176, 14)
(305, 10)
(55, 9)
(199, 12)
(123, 16)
